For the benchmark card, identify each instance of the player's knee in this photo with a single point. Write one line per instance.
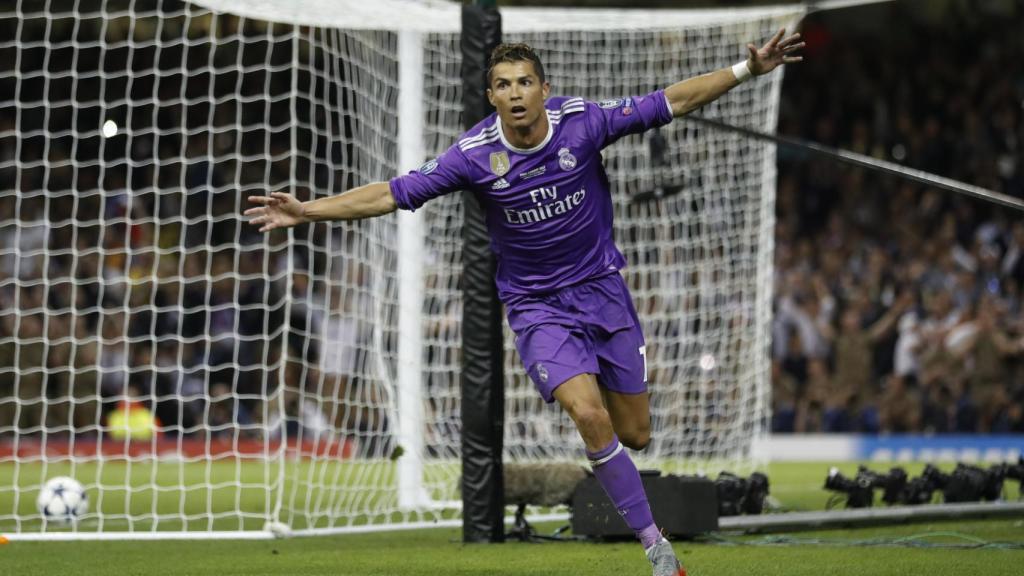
(636, 439)
(594, 417)
(591, 419)
(637, 442)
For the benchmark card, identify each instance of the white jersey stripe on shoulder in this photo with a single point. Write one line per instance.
(470, 145)
(490, 128)
(558, 114)
(479, 143)
(570, 109)
(480, 136)
(483, 135)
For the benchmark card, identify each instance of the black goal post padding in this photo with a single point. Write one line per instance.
(483, 386)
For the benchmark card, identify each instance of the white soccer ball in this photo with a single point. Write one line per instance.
(62, 500)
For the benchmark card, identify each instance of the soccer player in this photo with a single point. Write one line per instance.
(536, 167)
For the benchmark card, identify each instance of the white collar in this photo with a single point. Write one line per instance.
(543, 143)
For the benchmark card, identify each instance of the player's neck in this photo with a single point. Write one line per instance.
(527, 137)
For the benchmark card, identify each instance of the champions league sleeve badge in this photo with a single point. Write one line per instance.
(428, 167)
(566, 160)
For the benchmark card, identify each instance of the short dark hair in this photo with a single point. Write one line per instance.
(514, 53)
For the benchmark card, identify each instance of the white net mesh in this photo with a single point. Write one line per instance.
(197, 376)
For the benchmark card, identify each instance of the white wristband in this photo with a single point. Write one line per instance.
(741, 71)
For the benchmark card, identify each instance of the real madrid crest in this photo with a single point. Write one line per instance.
(566, 160)
(542, 372)
(499, 163)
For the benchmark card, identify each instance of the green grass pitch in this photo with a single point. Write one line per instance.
(964, 547)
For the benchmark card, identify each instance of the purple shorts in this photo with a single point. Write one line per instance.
(588, 328)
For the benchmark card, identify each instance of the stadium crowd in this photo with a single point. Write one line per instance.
(897, 307)
(128, 280)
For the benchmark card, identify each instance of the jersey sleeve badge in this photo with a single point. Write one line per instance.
(429, 167)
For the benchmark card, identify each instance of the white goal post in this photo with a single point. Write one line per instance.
(202, 380)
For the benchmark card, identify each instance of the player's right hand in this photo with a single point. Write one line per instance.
(279, 210)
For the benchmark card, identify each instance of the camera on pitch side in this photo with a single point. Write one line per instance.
(860, 490)
(738, 495)
(1016, 471)
(967, 483)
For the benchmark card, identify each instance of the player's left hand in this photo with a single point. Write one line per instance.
(774, 53)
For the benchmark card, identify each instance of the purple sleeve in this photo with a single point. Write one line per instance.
(613, 119)
(436, 178)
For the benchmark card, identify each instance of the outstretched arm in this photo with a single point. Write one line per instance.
(281, 210)
(690, 94)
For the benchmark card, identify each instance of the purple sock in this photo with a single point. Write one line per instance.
(618, 475)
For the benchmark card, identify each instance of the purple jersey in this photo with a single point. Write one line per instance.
(549, 208)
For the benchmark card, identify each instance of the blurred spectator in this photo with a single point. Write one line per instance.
(226, 413)
(899, 407)
(342, 342)
(986, 355)
(133, 418)
(854, 405)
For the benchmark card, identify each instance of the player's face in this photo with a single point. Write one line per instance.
(517, 94)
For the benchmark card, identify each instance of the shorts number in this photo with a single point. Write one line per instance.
(643, 354)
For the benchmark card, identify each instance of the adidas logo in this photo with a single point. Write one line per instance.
(500, 184)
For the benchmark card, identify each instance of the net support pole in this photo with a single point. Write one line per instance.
(483, 382)
(411, 230)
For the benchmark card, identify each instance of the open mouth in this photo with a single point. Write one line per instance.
(518, 111)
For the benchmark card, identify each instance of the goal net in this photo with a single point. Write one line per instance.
(201, 379)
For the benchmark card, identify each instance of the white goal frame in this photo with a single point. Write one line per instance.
(418, 502)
